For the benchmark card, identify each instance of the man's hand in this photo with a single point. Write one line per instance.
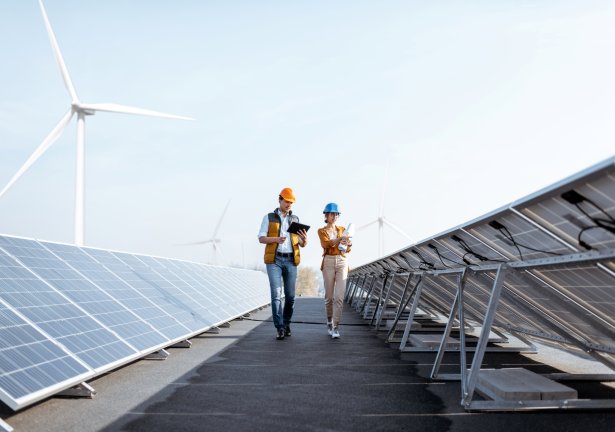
(302, 237)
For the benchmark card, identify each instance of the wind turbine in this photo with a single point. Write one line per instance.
(214, 240)
(81, 110)
(381, 220)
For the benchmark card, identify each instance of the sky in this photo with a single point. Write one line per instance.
(471, 105)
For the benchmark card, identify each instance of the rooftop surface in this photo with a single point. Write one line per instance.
(244, 379)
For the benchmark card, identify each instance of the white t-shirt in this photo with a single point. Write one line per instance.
(285, 247)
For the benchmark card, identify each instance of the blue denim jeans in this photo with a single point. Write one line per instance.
(283, 269)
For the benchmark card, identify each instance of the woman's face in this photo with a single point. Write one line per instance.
(331, 217)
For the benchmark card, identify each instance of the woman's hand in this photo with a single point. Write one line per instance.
(346, 241)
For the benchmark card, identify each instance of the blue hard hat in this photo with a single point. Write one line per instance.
(331, 208)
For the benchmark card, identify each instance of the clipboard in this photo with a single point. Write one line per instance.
(295, 227)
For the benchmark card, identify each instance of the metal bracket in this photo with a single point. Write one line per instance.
(82, 390)
(4, 426)
(157, 355)
(182, 344)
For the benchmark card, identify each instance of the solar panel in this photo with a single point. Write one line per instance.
(554, 252)
(31, 364)
(50, 307)
(188, 311)
(68, 314)
(114, 305)
(156, 307)
(209, 299)
(580, 212)
(229, 292)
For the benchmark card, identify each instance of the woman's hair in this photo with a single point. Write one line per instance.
(327, 215)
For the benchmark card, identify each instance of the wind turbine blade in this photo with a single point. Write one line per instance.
(396, 228)
(220, 220)
(116, 108)
(196, 243)
(47, 142)
(58, 55)
(366, 225)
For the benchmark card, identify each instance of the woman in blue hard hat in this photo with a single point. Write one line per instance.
(334, 267)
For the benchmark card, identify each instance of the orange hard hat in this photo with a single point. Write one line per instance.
(288, 195)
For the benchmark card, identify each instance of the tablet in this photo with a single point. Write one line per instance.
(295, 227)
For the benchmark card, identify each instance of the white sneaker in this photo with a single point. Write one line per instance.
(335, 333)
(330, 328)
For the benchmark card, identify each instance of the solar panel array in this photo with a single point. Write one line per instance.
(69, 313)
(542, 267)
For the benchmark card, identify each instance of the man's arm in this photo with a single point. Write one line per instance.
(262, 234)
(268, 240)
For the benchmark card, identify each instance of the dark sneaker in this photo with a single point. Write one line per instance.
(287, 331)
(280, 334)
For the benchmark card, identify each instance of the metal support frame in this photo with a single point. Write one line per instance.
(182, 344)
(415, 303)
(380, 310)
(157, 355)
(449, 325)
(82, 390)
(403, 304)
(567, 404)
(348, 288)
(351, 285)
(470, 379)
(368, 295)
(377, 305)
(540, 316)
(358, 287)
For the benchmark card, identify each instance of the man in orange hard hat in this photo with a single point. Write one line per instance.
(282, 257)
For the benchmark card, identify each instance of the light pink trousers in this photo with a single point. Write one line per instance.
(334, 274)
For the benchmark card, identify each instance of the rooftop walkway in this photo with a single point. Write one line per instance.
(307, 382)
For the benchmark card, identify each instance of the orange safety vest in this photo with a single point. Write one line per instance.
(275, 226)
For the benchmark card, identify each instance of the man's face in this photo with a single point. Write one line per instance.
(285, 206)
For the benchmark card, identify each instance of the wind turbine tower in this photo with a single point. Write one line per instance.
(382, 221)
